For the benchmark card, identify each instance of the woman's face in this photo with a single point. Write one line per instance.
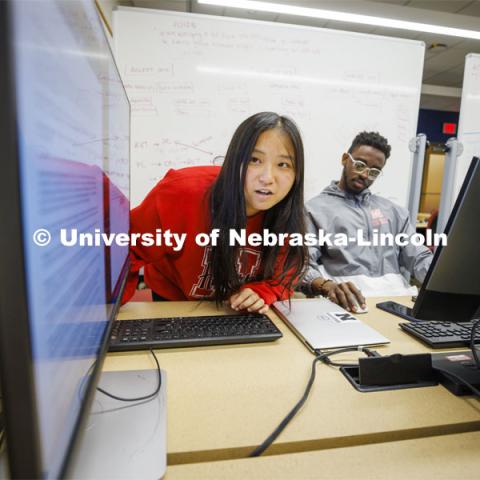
(270, 172)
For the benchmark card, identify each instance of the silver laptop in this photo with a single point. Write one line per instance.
(125, 440)
(322, 324)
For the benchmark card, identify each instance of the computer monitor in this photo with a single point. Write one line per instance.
(64, 136)
(451, 289)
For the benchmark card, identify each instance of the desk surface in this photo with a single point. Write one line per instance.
(441, 458)
(224, 400)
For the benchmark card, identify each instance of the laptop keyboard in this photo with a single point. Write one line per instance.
(191, 331)
(441, 334)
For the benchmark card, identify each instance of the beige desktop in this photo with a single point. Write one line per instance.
(223, 401)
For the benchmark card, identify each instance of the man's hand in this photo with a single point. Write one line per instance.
(347, 295)
(248, 300)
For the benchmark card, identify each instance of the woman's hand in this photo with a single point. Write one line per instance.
(247, 299)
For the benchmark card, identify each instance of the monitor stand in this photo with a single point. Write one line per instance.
(120, 439)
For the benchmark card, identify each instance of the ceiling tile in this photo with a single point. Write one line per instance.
(449, 78)
(395, 32)
(250, 14)
(431, 71)
(430, 38)
(293, 19)
(472, 9)
(392, 2)
(469, 44)
(439, 5)
(436, 102)
(350, 27)
(207, 9)
(449, 58)
(175, 5)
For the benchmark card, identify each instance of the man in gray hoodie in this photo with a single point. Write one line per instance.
(347, 271)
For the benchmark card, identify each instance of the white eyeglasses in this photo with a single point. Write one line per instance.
(359, 166)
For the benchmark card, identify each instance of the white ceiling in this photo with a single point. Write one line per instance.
(443, 66)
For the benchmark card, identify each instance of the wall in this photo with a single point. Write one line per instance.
(430, 123)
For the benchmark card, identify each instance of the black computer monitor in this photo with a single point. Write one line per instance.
(64, 137)
(451, 289)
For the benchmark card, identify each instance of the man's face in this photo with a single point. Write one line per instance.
(354, 180)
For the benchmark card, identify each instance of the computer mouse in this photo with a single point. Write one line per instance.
(359, 309)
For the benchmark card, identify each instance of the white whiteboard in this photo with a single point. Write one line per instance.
(469, 122)
(192, 79)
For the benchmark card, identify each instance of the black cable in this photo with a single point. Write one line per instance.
(473, 348)
(329, 362)
(474, 390)
(138, 399)
(327, 355)
(321, 356)
(271, 438)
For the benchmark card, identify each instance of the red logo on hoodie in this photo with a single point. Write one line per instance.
(378, 218)
(248, 264)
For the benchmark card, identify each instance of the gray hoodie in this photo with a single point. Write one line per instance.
(375, 269)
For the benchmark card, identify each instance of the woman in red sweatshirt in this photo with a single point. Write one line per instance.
(259, 186)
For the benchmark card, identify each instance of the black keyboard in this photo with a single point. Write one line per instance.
(191, 331)
(441, 334)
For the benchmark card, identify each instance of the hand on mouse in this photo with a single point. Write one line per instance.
(345, 294)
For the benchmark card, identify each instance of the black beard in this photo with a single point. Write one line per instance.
(347, 188)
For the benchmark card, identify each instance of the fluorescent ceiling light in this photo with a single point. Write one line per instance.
(344, 17)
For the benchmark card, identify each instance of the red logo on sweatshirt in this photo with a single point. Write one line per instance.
(378, 218)
(204, 286)
(248, 263)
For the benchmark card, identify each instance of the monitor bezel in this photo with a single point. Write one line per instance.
(17, 379)
(19, 407)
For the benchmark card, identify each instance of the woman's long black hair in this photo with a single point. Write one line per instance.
(228, 210)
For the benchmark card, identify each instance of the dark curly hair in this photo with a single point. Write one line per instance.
(372, 139)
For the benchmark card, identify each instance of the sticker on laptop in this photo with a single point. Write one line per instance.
(341, 317)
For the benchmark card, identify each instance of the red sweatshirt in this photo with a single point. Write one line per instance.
(179, 203)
